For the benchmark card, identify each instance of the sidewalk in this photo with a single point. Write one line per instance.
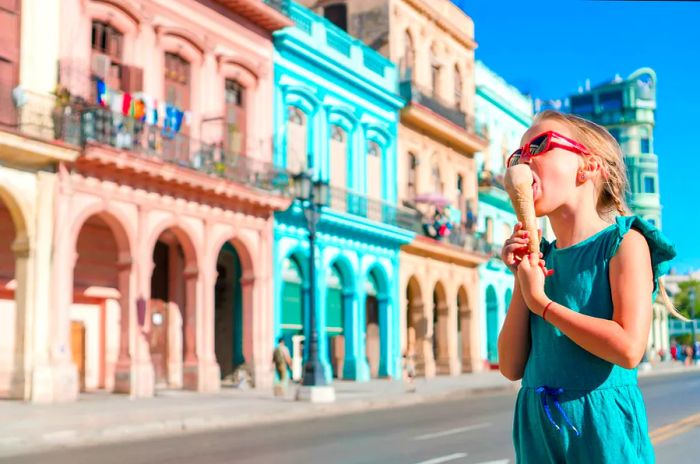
(103, 418)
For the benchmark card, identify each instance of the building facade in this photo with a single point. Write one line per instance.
(506, 114)
(626, 107)
(32, 146)
(433, 45)
(161, 246)
(336, 116)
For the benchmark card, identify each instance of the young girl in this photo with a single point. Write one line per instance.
(576, 336)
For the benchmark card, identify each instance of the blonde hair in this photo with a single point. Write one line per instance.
(612, 183)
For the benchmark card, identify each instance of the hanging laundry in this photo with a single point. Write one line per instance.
(138, 110)
(116, 102)
(126, 104)
(102, 95)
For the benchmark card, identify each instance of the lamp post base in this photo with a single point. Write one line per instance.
(316, 394)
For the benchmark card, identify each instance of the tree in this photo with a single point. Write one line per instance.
(682, 301)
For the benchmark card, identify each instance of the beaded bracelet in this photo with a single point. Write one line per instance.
(544, 313)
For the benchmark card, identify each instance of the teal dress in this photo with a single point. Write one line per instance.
(575, 407)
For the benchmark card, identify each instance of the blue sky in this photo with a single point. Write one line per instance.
(549, 48)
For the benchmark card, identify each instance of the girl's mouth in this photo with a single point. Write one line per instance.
(536, 189)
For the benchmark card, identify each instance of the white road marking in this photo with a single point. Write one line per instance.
(452, 431)
(439, 460)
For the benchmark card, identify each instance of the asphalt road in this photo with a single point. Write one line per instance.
(475, 430)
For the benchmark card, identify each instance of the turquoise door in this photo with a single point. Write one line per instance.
(492, 325)
(334, 321)
(292, 320)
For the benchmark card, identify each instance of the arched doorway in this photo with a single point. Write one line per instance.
(172, 311)
(100, 301)
(292, 311)
(228, 312)
(509, 296)
(338, 309)
(376, 342)
(463, 339)
(8, 308)
(440, 324)
(416, 324)
(491, 325)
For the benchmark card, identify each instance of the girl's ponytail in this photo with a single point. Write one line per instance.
(669, 304)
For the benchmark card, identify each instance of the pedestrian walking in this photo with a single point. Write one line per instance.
(282, 362)
(409, 367)
(576, 336)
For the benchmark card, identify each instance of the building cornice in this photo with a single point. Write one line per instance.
(444, 23)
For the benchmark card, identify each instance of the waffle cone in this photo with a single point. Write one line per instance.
(518, 183)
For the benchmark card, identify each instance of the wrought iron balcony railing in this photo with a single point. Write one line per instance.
(102, 126)
(43, 117)
(346, 201)
(491, 179)
(469, 241)
(415, 94)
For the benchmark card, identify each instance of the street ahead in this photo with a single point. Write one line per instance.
(473, 430)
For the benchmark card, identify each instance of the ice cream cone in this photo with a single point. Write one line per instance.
(518, 183)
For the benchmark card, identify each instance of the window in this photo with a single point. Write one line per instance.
(412, 165)
(434, 71)
(460, 185)
(649, 184)
(177, 81)
(106, 59)
(407, 63)
(339, 160)
(297, 136)
(337, 133)
(437, 181)
(610, 101)
(235, 117)
(458, 87)
(337, 14)
(582, 104)
(374, 171)
(107, 40)
(645, 146)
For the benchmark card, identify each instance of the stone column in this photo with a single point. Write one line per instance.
(122, 371)
(191, 371)
(20, 374)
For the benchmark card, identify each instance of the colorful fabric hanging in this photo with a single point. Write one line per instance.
(126, 104)
(102, 96)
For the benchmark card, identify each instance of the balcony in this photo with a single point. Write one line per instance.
(346, 201)
(104, 127)
(441, 119)
(269, 14)
(491, 179)
(37, 130)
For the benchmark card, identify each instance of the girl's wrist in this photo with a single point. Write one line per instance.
(541, 303)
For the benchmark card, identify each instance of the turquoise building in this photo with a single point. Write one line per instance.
(626, 108)
(336, 110)
(506, 114)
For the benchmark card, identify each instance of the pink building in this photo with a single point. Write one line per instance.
(162, 245)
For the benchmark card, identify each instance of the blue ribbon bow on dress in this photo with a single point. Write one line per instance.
(554, 394)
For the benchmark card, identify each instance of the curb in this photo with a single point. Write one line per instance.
(68, 439)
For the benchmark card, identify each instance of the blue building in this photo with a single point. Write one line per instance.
(336, 110)
(506, 114)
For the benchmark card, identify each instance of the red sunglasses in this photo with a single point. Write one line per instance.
(541, 144)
